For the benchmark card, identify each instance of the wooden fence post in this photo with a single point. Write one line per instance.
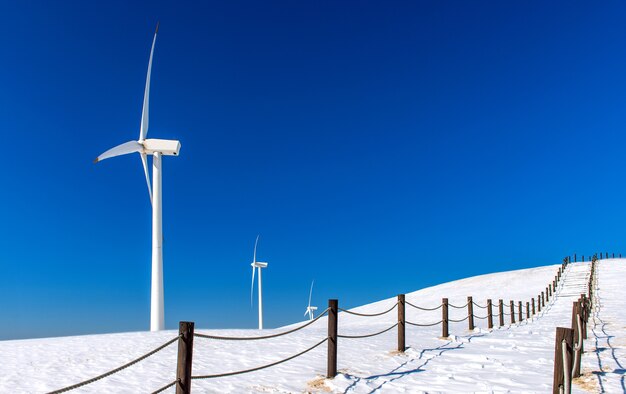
(549, 289)
(401, 323)
(585, 314)
(567, 335)
(519, 311)
(185, 355)
(543, 300)
(512, 306)
(489, 314)
(331, 370)
(538, 303)
(501, 312)
(532, 301)
(577, 334)
(470, 313)
(444, 318)
(583, 258)
(527, 310)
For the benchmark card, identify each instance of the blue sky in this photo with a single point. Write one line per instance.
(377, 147)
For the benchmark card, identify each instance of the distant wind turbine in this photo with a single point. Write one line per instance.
(156, 148)
(257, 265)
(310, 309)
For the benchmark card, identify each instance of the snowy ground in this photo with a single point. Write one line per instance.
(515, 358)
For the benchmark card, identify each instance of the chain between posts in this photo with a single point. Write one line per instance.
(261, 337)
(424, 325)
(423, 309)
(116, 370)
(458, 307)
(367, 335)
(368, 314)
(166, 387)
(219, 375)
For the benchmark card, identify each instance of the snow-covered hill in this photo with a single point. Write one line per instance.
(516, 358)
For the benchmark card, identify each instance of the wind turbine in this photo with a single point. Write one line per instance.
(257, 265)
(156, 148)
(310, 309)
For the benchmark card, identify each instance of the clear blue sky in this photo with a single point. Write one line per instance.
(377, 147)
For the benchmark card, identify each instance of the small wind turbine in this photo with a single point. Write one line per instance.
(156, 148)
(310, 309)
(257, 264)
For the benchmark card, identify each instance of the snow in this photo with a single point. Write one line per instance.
(515, 358)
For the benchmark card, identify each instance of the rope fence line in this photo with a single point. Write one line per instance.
(422, 308)
(280, 334)
(166, 387)
(369, 314)
(220, 375)
(423, 325)
(545, 300)
(367, 335)
(116, 370)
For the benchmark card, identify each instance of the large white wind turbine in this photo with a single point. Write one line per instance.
(310, 309)
(156, 148)
(257, 265)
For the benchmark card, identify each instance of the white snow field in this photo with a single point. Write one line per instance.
(513, 358)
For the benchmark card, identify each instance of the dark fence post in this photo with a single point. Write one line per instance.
(444, 318)
(519, 311)
(527, 310)
(585, 314)
(538, 303)
(401, 323)
(577, 334)
(331, 370)
(543, 299)
(567, 335)
(512, 306)
(575, 257)
(489, 314)
(532, 301)
(501, 312)
(583, 258)
(185, 356)
(470, 313)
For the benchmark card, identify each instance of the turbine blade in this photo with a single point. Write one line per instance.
(252, 287)
(146, 95)
(123, 149)
(144, 160)
(305, 312)
(255, 243)
(311, 293)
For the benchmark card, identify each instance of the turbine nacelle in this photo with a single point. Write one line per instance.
(164, 147)
(147, 147)
(258, 264)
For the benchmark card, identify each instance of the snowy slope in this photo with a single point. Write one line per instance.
(514, 358)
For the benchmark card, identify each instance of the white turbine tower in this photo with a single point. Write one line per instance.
(156, 148)
(310, 309)
(257, 265)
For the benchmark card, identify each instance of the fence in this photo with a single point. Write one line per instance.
(568, 347)
(186, 335)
